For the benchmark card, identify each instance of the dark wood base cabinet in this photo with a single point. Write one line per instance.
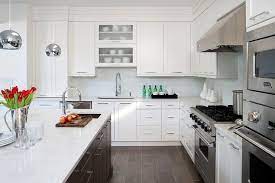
(95, 166)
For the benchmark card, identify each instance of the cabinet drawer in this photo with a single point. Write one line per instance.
(170, 133)
(171, 105)
(150, 117)
(171, 116)
(149, 105)
(149, 133)
(103, 106)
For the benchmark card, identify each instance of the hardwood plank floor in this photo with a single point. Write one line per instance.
(153, 165)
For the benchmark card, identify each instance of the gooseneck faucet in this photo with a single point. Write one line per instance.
(118, 84)
(64, 104)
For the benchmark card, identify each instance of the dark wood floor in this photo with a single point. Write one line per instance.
(153, 165)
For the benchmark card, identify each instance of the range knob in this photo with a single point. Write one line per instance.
(207, 129)
(202, 125)
(199, 122)
(254, 117)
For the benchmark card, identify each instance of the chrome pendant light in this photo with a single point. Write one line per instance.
(9, 39)
(53, 50)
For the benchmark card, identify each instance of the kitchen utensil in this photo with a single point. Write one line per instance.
(238, 102)
(117, 60)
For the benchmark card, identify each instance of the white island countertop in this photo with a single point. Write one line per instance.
(53, 158)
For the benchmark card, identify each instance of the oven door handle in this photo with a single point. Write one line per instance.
(209, 144)
(257, 140)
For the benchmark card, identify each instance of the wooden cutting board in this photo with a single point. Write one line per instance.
(77, 123)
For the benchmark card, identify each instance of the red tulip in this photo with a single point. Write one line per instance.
(14, 90)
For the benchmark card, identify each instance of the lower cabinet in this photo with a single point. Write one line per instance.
(228, 159)
(187, 132)
(170, 124)
(95, 165)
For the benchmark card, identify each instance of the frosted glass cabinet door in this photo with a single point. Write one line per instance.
(116, 32)
(177, 48)
(150, 48)
(81, 49)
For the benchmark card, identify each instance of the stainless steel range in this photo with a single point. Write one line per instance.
(205, 118)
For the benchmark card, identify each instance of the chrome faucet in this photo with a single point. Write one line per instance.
(64, 104)
(118, 84)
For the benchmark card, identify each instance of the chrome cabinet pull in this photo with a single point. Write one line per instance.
(170, 133)
(150, 72)
(262, 13)
(82, 72)
(234, 147)
(171, 117)
(125, 103)
(102, 103)
(89, 172)
(148, 117)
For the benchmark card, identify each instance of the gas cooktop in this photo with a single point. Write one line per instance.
(219, 113)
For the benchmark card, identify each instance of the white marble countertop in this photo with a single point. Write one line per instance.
(53, 158)
(224, 128)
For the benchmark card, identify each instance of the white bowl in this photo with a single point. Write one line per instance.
(112, 52)
(106, 29)
(125, 59)
(117, 60)
(115, 28)
(108, 59)
(120, 52)
(125, 29)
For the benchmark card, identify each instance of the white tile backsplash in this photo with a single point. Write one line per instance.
(104, 83)
(224, 87)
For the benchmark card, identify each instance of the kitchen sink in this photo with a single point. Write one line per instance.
(116, 97)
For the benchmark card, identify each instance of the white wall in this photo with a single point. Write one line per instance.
(104, 83)
(14, 62)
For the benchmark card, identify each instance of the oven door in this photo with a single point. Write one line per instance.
(205, 152)
(258, 157)
(261, 65)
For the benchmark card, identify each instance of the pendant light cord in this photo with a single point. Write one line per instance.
(9, 14)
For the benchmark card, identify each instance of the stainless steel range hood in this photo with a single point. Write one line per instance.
(227, 35)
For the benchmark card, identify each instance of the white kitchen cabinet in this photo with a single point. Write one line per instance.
(116, 55)
(170, 124)
(187, 132)
(163, 49)
(259, 11)
(50, 72)
(81, 49)
(44, 103)
(106, 106)
(125, 121)
(228, 149)
(115, 32)
(177, 48)
(150, 56)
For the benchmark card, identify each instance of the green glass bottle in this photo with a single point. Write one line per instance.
(155, 89)
(160, 88)
(144, 91)
(149, 91)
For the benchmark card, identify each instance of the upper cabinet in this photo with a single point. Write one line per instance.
(259, 11)
(116, 32)
(163, 49)
(50, 72)
(150, 49)
(81, 49)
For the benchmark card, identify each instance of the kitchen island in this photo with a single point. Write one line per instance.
(63, 155)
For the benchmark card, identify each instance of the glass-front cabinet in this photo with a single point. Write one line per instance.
(120, 55)
(116, 33)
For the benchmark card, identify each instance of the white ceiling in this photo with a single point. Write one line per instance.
(113, 3)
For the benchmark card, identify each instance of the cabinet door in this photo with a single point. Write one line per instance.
(222, 154)
(235, 163)
(150, 48)
(126, 121)
(82, 50)
(259, 11)
(60, 37)
(177, 48)
(43, 65)
(51, 72)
